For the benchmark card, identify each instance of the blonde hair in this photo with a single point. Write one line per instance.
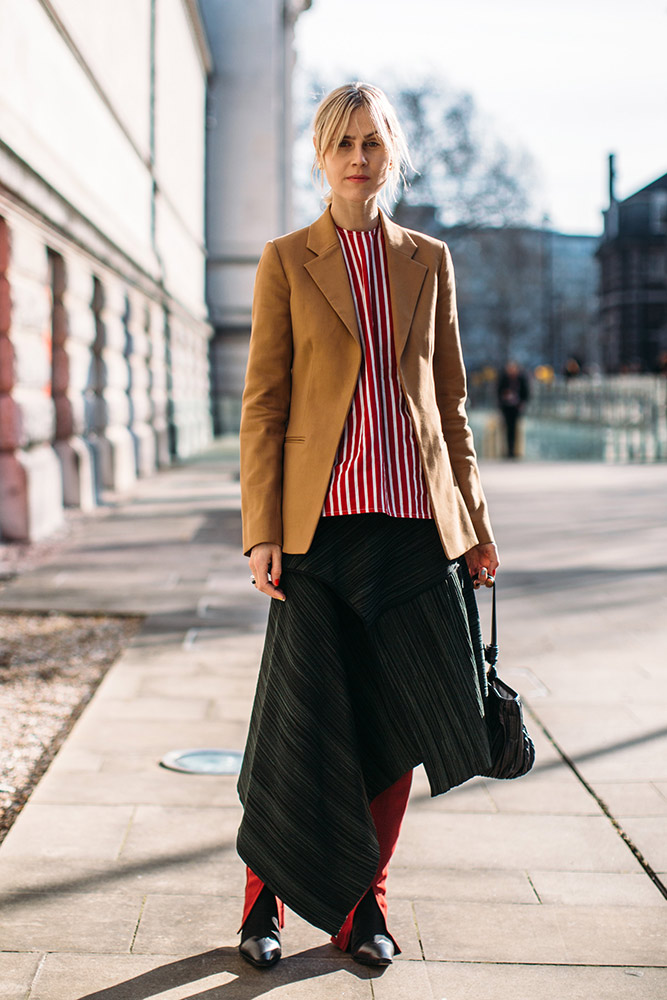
(331, 122)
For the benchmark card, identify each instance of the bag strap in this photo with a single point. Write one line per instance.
(491, 651)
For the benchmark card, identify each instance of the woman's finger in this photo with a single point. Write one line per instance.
(265, 586)
(276, 566)
(482, 561)
(275, 569)
(266, 567)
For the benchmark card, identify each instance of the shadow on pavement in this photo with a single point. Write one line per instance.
(579, 758)
(247, 983)
(95, 879)
(545, 580)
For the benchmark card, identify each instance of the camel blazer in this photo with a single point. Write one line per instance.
(304, 360)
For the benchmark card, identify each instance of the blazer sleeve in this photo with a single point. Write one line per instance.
(451, 391)
(266, 401)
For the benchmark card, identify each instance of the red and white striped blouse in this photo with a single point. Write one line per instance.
(377, 468)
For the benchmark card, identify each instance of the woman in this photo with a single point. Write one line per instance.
(360, 493)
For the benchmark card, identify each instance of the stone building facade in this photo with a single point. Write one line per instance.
(633, 279)
(104, 335)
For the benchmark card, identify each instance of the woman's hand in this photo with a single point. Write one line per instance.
(482, 563)
(266, 567)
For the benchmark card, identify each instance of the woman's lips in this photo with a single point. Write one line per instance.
(358, 178)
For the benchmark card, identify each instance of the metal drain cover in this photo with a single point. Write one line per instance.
(207, 760)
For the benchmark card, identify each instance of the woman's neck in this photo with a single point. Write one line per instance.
(359, 216)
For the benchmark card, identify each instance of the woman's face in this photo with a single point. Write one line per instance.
(357, 167)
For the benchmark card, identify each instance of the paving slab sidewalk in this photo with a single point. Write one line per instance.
(120, 880)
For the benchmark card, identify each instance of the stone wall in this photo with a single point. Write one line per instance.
(30, 474)
(103, 320)
(101, 380)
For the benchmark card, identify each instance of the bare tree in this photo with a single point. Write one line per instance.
(469, 175)
(464, 170)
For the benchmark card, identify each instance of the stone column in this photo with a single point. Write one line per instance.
(137, 351)
(31, 504)
(191, 412)
(179, 379)
(201, 387)
(73, 324)
(157, 329)
(111, 435)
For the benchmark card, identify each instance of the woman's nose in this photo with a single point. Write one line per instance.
(360, 155)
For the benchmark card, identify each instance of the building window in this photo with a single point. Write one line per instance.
(659, 212)
(657, 265)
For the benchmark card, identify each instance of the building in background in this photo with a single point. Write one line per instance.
(633, 280)
(103, 322)
(248, 169)
(524, 294)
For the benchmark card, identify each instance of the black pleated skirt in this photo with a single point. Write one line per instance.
(373, 665)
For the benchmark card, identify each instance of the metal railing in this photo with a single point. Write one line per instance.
(614, 418)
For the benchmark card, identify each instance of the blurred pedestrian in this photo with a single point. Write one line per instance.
(364, 517)
(513, 394)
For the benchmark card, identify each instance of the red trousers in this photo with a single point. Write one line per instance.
(388, 810)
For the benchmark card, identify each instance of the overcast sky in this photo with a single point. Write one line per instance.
(569, 82)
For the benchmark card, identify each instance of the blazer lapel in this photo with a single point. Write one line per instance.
(329, 273)
(406, 277)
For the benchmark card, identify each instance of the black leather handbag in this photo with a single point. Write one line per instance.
(512, 750)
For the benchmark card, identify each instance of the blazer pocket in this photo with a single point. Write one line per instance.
(294, 439)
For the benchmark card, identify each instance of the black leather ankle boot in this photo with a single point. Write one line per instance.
(260, 934)
(370, 943)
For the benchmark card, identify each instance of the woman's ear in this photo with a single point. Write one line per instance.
(319, 159)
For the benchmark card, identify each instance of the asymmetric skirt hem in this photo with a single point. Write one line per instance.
(373, 665)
